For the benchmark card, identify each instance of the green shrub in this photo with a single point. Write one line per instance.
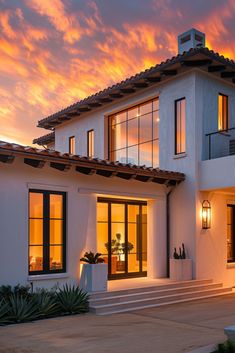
(92, 258)
(7, 291)
(22, 309)
(72, 300)
(4, 312)
(46, 303)
(227, 347)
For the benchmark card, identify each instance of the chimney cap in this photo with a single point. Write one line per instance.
(191, 39)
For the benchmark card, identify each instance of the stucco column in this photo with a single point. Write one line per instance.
(157, 240)
(91, 238)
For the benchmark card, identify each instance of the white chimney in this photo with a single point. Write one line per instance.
(190, 39)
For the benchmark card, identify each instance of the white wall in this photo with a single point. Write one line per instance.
(82, 191)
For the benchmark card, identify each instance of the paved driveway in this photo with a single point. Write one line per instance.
(170, 329)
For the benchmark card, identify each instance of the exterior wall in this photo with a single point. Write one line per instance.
(212, 175)
(212, 243)
(82, 191)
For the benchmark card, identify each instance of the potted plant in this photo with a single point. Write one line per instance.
(180, 266)
(94, 274)
(119, 248)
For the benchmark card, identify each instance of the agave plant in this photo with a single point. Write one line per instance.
(92, 258)
(46, 303)
(4, 312)
(72, 300)
(22, 308)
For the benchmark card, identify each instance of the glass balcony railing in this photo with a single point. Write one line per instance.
(220, 143)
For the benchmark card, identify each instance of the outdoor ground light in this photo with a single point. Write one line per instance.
(206, 214)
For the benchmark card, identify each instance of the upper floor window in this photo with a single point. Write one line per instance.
(134, 135)
(222, 112)
(90, 143)
(47, 228)
(180, 126)
(72, 145)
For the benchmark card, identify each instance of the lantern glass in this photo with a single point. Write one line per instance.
(206, 214)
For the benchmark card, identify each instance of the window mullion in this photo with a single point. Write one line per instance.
(46, 232)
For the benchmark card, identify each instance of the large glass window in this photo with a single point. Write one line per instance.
(222, 112)
(180, 126)
(90, 143)
(46, 231)
(133, 135)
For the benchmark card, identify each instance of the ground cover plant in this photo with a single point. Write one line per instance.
(226, 347)
(21, 304)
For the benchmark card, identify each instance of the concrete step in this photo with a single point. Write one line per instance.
(181, 284)
(158, 300)
(147, 294)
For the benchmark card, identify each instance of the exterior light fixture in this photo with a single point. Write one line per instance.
(206, 214)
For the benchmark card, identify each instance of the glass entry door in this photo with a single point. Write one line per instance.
(122, 236)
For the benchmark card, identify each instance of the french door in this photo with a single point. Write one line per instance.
(122, 236)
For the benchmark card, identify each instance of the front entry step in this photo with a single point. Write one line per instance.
(146, 297)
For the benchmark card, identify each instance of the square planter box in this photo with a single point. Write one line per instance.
(181, 269)
(94, 277)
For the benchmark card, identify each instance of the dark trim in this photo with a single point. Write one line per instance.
(89, 134)
(227, 112)
(124, 202)
(46, 231)
(125, 123)
(72, 138)
(176, 125)
(233, 232)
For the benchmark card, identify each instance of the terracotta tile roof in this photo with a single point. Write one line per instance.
(85, 164)
(152, 75)
(45, 139)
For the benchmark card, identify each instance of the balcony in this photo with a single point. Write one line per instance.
(220, 143)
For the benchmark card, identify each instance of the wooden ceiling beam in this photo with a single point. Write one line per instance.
(106, 173)
(228, 74)
(95, 104)
(152, 79)
(140, 84)
(84, 109)
(6, 158)
(127, 90)
(86, 170)
(116, 95)
(126, 176)
(60, 166)
(216, 68)
(169, 72)
(105, 99)
(193, 63)
(35, 163)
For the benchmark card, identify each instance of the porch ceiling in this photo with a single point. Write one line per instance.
(38, 158)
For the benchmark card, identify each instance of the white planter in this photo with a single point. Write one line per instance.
(230, 333)
(181, 269)
(94, 277)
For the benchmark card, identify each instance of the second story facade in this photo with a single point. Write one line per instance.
(172, 116)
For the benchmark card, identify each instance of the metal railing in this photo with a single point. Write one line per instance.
(220, 143)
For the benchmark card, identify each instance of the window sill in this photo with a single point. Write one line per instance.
(181, 155)
(230, 265)
(47, 276)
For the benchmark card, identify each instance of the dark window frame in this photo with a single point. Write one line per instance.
(233, 232)
(72, 138)
(227, 113)
(176, 126)
(153, 139)
(46, 231)
(88, 143)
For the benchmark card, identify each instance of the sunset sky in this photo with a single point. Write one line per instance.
(55, 52)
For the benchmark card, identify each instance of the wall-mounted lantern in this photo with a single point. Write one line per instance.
(206, 214)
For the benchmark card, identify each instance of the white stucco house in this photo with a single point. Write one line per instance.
(133, 164)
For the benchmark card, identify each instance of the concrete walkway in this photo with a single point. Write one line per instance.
(170, 329)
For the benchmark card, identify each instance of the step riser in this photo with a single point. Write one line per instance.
(147, 295)
(149, 288)
(156, 301)
(163, 304)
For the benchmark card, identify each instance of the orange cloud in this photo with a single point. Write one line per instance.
(53, 53)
